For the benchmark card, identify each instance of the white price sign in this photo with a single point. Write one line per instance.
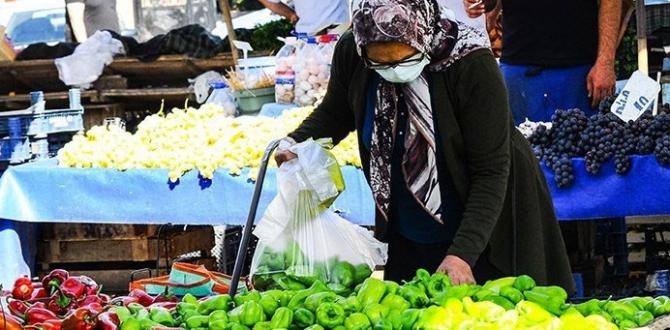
(636, 97)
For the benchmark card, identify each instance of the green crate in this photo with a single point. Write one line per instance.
(251, 101)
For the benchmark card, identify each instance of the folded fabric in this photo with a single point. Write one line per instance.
(186, 278)
(89, 59)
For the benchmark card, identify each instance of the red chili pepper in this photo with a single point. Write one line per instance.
(38, 293)
(82, 318)
(17, 308)
(144, 298)
(23, 288)
(53, 281)
(10, 322)
(73, 287)
(108, 321)
(39, 315)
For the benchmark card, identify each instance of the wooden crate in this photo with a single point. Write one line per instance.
(125, 249)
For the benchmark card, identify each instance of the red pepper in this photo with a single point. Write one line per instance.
(39, 315)
(38, 293)
(89, 300)
(108, 321)
(53, 281)
(123, 301)
(165, 304)
(165, 297)
(60, 303)
(39, 304)
(23, 288)
(73, 287)
(92, 288)
(10, 322)
(45, 326)
(82, 318)
(104, 298)
(17, 308)
(144, 298)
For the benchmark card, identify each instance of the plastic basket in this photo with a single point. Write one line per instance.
(56, 122)
(15, 127)
(251, 101)
(14, 150)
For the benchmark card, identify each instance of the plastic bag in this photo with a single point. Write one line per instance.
(301, 239)
(311, 72)
(89, 59)
(284, 73)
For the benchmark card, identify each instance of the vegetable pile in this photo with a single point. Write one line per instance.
(202, 139)
(426, 302)
(599, 139)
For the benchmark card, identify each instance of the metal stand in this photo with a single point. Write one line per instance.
(246, 232)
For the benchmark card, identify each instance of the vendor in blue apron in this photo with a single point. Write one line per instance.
(556, 54)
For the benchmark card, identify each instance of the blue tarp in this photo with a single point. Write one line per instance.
(44, 192)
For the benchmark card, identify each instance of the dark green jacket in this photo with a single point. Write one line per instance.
(507, 203)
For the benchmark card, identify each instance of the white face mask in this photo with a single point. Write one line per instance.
(404, 73)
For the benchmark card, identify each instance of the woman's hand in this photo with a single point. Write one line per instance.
(474, 8)
(458, 270)
(282, 156)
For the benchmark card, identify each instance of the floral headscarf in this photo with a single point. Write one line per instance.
(424, 25)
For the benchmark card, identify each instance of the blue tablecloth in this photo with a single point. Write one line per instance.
(43, 192)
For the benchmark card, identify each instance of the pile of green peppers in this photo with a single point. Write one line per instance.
(428, 301)
(290, 270)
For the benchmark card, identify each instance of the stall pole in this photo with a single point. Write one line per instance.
(225, 12)
(641, 17)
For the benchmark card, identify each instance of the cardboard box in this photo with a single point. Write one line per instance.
(7, 52)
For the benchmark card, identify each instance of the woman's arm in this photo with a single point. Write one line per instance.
(485, 122)
(75, 10)
(333, 118)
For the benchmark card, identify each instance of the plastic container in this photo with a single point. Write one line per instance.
(311, 71)
(251, 101)
(14, 150)
(222, 96)
(284, 72)
(40, 148)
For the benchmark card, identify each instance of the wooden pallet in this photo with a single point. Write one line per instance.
(124, 249)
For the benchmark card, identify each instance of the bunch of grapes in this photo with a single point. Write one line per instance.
(599, 139)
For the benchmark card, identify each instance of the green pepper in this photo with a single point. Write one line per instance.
(371, 292)
(655, 307)
(524, 283)
(302, 274)
(142, 314)
(417, 298)
(303, 318)
(362, 273)
(189, 298)
(500, 301)
(197, 321)
(512, 294)
(131, 324)
(221, 302)
(273, 261)
(265, 325)
(247, 314)
(433, 318)
(269, 304)
(315, 300)
(330, 315)
(339, 289)
(343, 273)
(438, 284)
(456, 292)
(498, 284)
(357, 321)
(383, 325)
(409, 318)
(554, 291)
(314, 327)
(217, 325)
(299, 298)
(350, 304)
(590, 307)
(553, 304)
(252, 295)
(482, 294)
(161, 315)
(149, 324)
(606, 315)
(339, 327)
(135, 308)
(282, 318)
(123, 313)
(395, 319)
(182, 307)
(376, 312)
(236, 326)
(286, 283)
(293, 255)
(620, 311)
(391, 287)
(637, 302)
(422, 276)
(642, 318)
(218, 316)
(627, 325)
(394, 301)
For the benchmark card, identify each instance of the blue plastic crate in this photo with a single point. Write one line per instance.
(15, 150)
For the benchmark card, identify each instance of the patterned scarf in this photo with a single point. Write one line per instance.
(428, 28)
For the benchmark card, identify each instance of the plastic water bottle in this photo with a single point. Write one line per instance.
(222, 96)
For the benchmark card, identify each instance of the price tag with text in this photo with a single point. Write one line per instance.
(636, 97)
